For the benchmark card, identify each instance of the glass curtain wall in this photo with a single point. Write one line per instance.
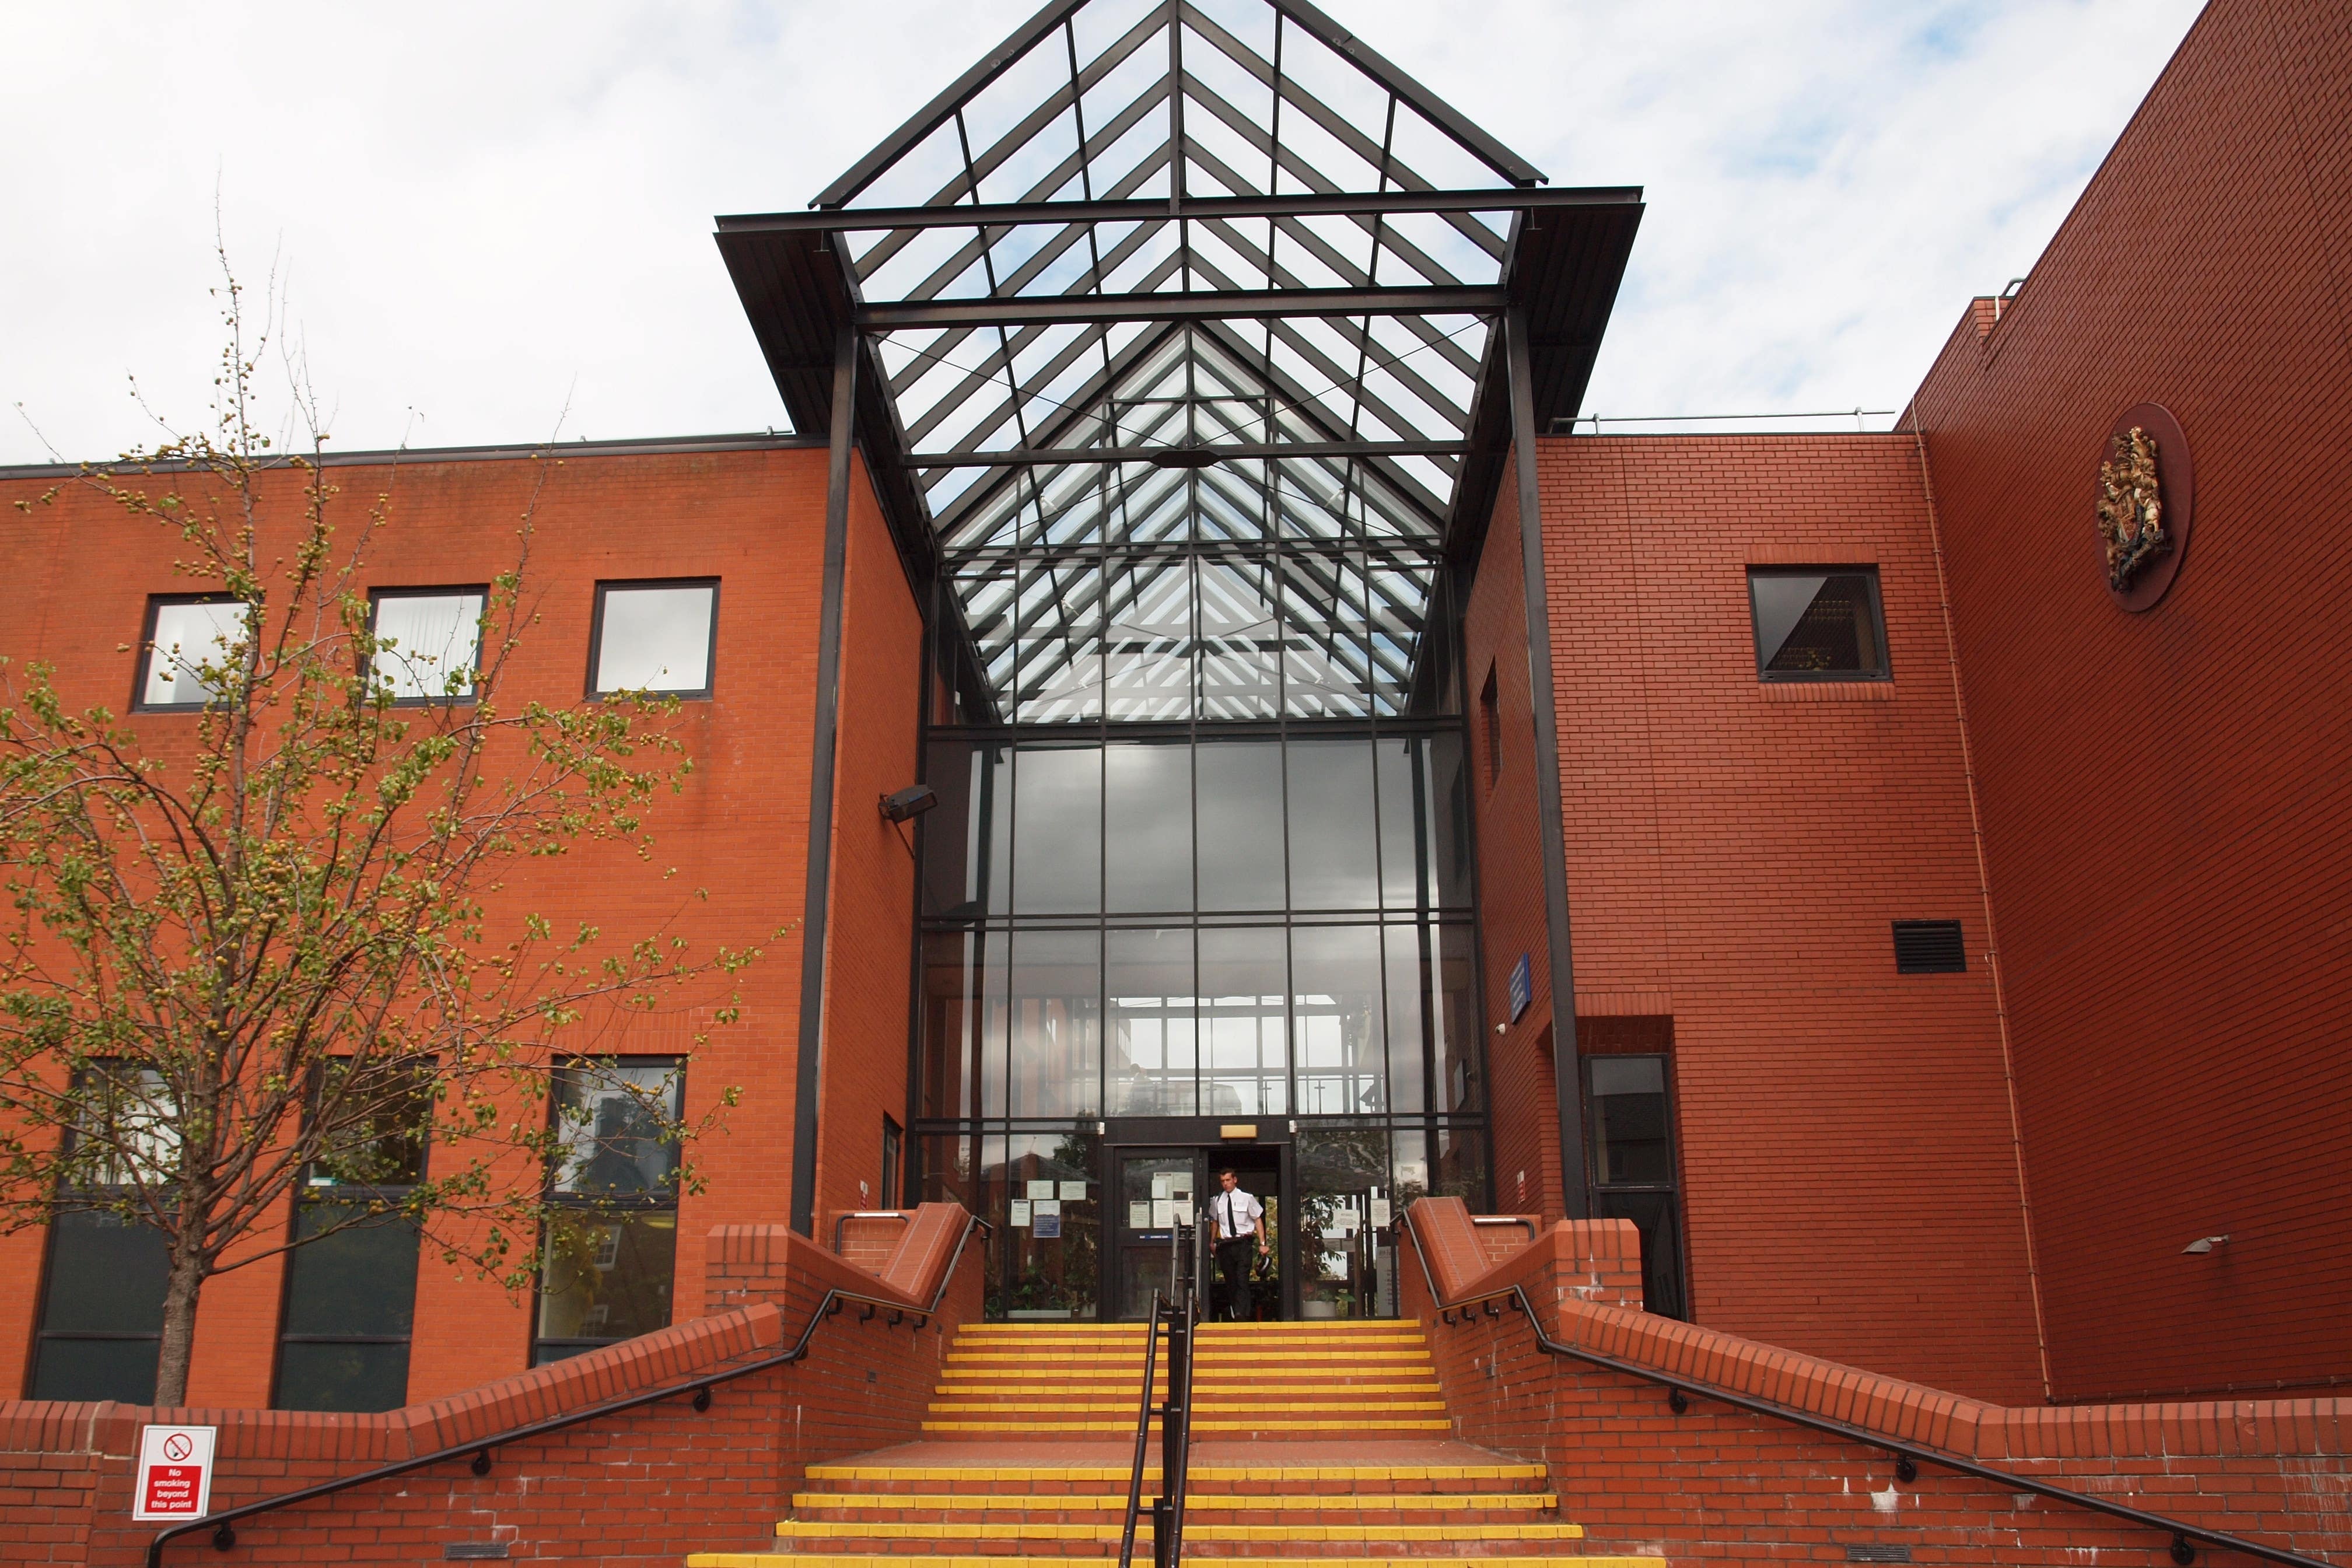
(1203, 850)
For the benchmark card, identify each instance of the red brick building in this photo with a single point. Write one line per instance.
(1948, 945)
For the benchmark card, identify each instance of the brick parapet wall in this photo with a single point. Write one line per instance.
(639, 1488)
(1717, 1482)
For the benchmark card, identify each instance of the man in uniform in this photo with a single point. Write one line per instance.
(1240, 1222)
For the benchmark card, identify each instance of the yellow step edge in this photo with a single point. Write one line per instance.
(901, 1529)
(1205, 1390)
(1218, 1502)
(1073, 1474)
(866, 1560)
(1200, 1409)
(1286, 1424)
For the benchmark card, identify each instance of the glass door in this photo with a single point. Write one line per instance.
(1154, 1189)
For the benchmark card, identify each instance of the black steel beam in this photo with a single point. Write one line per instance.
(1185, 457)
(1312, 203)
(1439, 112)
(941, 110)
(1229, 305)
(1566, 1064)
(816, 898)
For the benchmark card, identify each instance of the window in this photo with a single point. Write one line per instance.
(429, 641)
(893, 1141)
(1818, 622)
(606, 1269)
(1929, 947)
(654, 637)
(351, 1294)
(184, 635)
(1490, 727)
(102, 1326)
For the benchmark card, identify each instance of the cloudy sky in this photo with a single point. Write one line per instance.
(491, 216)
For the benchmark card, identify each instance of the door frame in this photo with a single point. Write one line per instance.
(1209, 1155)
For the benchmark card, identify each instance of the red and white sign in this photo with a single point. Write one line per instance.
(175, 1472)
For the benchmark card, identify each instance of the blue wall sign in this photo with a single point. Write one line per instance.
(1523, 986)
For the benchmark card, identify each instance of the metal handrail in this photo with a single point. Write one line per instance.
(1908, 1457)
(841, 1221)
(1142, 1434)
(223, 1524)
(1176, 1423)
(1522, 1221)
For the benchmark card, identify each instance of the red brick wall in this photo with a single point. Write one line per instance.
(2167, 796)
(630, 1490)
(1526, 1126)
(76, 593)
(1718, 1484)
(870, 929)
(1737, 852)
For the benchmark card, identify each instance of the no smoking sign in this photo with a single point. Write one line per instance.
(175, 1473)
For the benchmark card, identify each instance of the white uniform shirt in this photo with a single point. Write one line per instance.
(1236, 1213)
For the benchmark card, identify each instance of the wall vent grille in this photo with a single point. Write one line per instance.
(1929, 947)
(1878, 1554)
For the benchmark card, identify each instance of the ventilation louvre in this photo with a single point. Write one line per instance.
(1889, 1554)
(1929, 947)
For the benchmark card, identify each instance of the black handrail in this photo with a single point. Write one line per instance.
(1142, 1434)
(1908, 1457)
(223, 1524)
(1176, 1412)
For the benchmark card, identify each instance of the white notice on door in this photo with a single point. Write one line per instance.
(1163, 1213)
(175, 1472)
(1020, 1215)
(1380, 1212)
(1039, 1190)
(1074, 1192)
(1162, 1185)
(1046, 1208)
(1138, 1213)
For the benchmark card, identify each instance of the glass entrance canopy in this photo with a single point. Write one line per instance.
(1171, 277)
(1186, 342)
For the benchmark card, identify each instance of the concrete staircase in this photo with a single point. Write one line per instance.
(1319, 1441)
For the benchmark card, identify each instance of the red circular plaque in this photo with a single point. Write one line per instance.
(2176, 484)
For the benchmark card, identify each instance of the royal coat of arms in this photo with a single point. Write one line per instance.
(2131, 507)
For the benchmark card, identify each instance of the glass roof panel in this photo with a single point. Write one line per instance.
(1184, 101)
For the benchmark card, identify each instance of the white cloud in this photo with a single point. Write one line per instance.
(487, 210)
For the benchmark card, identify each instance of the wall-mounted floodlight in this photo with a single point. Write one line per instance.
(910, 802)
(2203, 1245)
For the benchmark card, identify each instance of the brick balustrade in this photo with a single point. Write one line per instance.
(643, 1486)
(1719, 1483)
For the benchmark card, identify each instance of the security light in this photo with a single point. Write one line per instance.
(2203, 1245)
(912, 800)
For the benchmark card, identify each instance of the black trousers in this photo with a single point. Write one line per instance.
(1234, 1257)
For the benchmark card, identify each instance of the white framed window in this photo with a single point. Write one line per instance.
(430, 642)
(184, 638)
(659, 635)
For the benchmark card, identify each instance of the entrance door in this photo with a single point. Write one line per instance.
(1262, 1170)
(1154, 1189)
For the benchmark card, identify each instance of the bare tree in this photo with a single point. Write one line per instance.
(304, 953)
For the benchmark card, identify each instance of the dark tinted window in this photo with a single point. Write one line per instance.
(102, 1312)
(351, 1298)
(1815, 624)
(1630, 1134)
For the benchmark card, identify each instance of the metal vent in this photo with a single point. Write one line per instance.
(1929, 947)
(1878, 1554)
